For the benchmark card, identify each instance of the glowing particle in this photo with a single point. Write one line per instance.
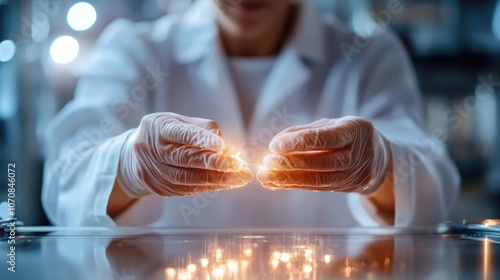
(191, 267)
(240, 162)
(204, 262)
(285, 257)
(308, 252)
(218, 272)
(170, 272)
(247, 252)
(347, 271)
(275, 263)
(327, 258)
(308, 268)
(218, 254)
(232, 265)
(184, 275)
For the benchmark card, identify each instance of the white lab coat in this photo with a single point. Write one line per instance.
(175, 64)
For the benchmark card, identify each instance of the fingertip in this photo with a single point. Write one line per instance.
(268, 160)
(279, 145)
(249, 178)
(242, 178)
(262, 174)
(247, 174)
(215, 143)
(271, 187)
(272, 161)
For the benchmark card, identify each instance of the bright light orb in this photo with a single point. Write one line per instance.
(285, 257)
(170, 272)
(308, 268)
(64, 49)
(328, 258)
(7, 50)
(191, 267)
(81, 16)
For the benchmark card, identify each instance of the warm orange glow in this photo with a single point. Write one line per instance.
(486, 259)
(275, 263)
(184, 275)
(347, 271)
(241, 163)
(244, 264)
(191, 267)
(232, 265)
(285, 257)
(218, 254)
(308, 268)
(218, 272)
(247, 252)
(328, 258)
(170, 272)
(308, 252)
(491, 222)
(234, 260)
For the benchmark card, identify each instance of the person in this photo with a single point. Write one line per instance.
(172, 118)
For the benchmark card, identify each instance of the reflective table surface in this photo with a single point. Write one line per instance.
(355, 253)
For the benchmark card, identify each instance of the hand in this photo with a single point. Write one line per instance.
(173, 155)
(341, 155)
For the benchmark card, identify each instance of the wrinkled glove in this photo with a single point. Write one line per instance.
(341, 155)
(173, 155)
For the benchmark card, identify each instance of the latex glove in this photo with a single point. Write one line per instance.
(173, 155)
(341, 155)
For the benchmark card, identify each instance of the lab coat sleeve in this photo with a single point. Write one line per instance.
(426, 183)
(85, 137)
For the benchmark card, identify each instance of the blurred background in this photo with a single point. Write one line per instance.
(454, 45)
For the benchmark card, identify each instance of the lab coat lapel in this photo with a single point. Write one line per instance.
(214, 73)
(288, 76)
(197, 41)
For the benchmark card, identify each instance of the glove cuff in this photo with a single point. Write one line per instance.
(126, 178)
(381, 164)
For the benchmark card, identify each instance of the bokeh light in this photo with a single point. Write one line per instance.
(81, 16)
(7, 50)
(64, 49)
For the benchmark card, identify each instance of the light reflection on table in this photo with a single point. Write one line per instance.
(286, 257)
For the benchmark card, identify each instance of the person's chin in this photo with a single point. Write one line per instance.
(249, 30)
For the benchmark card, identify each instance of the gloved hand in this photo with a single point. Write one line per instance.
(341, 155)
(173, 155)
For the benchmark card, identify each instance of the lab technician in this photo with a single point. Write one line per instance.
(171, 119)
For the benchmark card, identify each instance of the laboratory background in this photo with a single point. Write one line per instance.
(454, 46)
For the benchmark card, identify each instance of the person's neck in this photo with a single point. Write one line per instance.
(268, 43)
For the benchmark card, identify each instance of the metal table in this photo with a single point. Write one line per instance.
(446, 252)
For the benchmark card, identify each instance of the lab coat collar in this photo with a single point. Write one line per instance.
(198, 29)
